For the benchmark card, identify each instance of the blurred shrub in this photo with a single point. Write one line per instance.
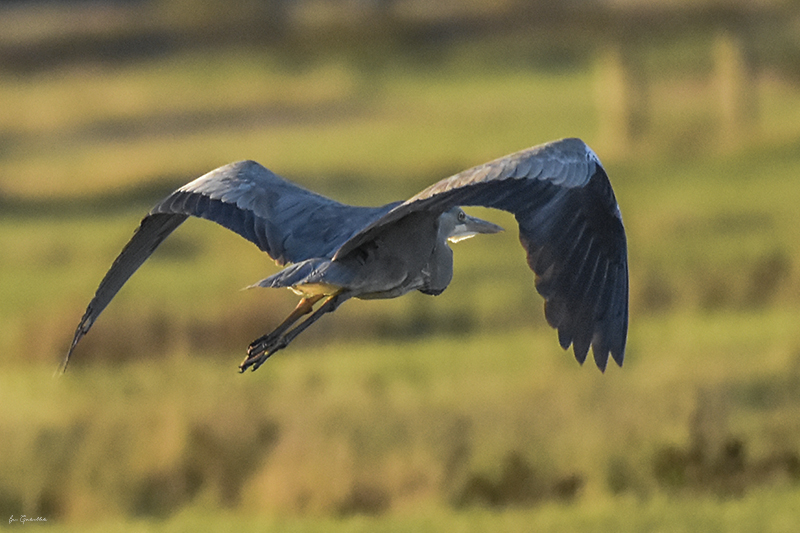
(767, 275)
(518, 485)
(716, 461)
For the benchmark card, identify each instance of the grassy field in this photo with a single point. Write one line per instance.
(458, 411)
(772, 511)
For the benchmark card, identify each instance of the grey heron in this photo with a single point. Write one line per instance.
(569, 224)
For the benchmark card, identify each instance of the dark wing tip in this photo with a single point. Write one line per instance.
(82, 329)
(584, 331)
(62, 367)
(576, 246)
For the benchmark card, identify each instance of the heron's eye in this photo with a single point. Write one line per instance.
(462, 216)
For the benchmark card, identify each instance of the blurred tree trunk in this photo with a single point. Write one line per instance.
(736, 81)
(623, 96)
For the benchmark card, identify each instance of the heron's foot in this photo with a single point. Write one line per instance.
(253, 362)
(260, 350)
(263, 343)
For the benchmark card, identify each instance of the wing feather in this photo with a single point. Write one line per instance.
(150, 233)
(570, 227)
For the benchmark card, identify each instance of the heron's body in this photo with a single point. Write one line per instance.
(418, 258)
(570, 226)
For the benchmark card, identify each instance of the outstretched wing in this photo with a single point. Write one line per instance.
(286, 221)
(569, 224)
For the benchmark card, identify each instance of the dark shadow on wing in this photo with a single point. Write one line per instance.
(569, 225)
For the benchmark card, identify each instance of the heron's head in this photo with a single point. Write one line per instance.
(457, 225)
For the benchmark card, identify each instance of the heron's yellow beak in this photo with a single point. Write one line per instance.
(471, 227)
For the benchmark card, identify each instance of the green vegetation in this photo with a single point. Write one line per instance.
(402, 415)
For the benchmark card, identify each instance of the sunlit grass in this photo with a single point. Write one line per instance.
(772, 511)
(75, 97)
(386, 413)
(80, 126)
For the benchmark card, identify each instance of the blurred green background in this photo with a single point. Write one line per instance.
(458, 412)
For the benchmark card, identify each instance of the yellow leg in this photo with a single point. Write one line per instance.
(261, 349)
(304, 306)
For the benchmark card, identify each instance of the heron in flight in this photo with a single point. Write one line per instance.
(569, 224)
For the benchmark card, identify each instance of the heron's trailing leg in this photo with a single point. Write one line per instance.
(261, 349)
(304, 306)
(262, 344)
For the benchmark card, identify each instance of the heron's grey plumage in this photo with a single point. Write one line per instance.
(569, 222)
(288, 222)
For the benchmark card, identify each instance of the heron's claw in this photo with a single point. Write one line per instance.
(252, 363)
(263, 347)
(259, 351)
(263, 343)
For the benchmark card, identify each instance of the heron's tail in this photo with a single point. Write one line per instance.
(302, 273)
